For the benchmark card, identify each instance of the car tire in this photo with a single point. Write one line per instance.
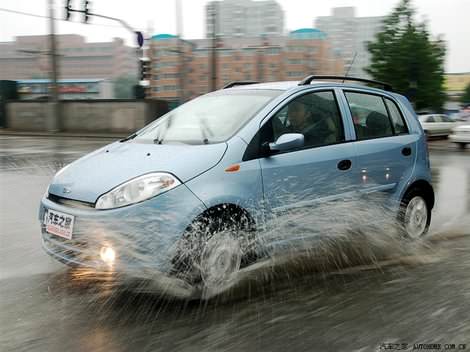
(213, 249)
(414, 215)
(220, 260)
(462, 145)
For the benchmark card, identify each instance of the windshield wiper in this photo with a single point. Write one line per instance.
(205, 130)
(159, 140)
(128, 138)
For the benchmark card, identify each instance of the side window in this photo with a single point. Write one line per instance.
(315, 115)
(397, 118)
(445, 118)
(431, 119)
(370, 115)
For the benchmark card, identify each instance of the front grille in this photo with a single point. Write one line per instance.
(69, 202)
(73, 249)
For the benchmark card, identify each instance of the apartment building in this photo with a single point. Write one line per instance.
(349, 35)
(292, 57)
(244, 18)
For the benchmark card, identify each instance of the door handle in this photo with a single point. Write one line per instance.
(344, 164)
(406, 151)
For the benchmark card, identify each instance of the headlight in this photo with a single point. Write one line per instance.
(137, 190)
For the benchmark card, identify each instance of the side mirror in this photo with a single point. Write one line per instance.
(287, 141)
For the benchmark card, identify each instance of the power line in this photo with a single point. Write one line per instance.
(57, 19)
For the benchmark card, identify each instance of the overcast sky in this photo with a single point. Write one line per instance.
(447, 17)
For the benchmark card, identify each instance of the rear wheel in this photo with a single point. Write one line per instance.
(415, 214)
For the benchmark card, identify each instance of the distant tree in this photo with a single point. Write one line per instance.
(124, 87)
(465, 98)
(404, 55)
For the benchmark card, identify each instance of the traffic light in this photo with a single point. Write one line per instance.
(68, 7)
(144, 69)
(86, 10)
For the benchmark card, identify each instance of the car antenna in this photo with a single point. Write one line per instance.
(352, 63)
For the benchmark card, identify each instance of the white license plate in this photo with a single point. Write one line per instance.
(58, 223)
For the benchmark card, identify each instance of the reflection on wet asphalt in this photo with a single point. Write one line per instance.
(420, 298)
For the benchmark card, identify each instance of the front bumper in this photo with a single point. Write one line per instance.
(143, 235)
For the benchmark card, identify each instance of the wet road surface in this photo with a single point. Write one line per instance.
(44, 306)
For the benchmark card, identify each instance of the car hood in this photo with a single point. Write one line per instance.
(100, 171)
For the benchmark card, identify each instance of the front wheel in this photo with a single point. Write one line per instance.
(213, 250)
(415, 214)
(220, 260)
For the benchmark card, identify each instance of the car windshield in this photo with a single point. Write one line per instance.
(211, 118)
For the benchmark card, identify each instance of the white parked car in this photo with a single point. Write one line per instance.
(437, 125)
(461, 135)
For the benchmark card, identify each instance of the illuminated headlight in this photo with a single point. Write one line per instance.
(108, 255)
(137, 190)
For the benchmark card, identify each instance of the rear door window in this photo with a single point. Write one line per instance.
(369, 115)
(445, 119)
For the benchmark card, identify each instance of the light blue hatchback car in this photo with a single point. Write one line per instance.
(187, 195)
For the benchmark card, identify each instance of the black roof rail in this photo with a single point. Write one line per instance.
(307, 80)
(238, 83)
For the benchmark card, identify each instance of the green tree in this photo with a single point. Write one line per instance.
(124, 87)
(465, 98)
(404, 55)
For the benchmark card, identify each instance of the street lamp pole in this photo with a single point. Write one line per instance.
(181, 54)
(213, 57)
(54, 121)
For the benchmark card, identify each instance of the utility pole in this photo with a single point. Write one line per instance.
(54, 122)
(213, 56)
(180, 50)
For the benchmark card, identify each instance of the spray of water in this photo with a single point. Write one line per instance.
(322, 239)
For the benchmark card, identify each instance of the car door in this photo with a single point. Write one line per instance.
(385, 149)
(439, 125)
(447, 123)
(323, 170)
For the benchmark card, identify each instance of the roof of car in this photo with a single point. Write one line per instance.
(281, 85)
(287, 85)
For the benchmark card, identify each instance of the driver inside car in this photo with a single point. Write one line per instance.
(317, 129)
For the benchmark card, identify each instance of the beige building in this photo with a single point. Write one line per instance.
(455, 83)
(303, 52)
(28, 58)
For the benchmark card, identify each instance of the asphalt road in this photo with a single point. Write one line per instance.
(419, 298)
